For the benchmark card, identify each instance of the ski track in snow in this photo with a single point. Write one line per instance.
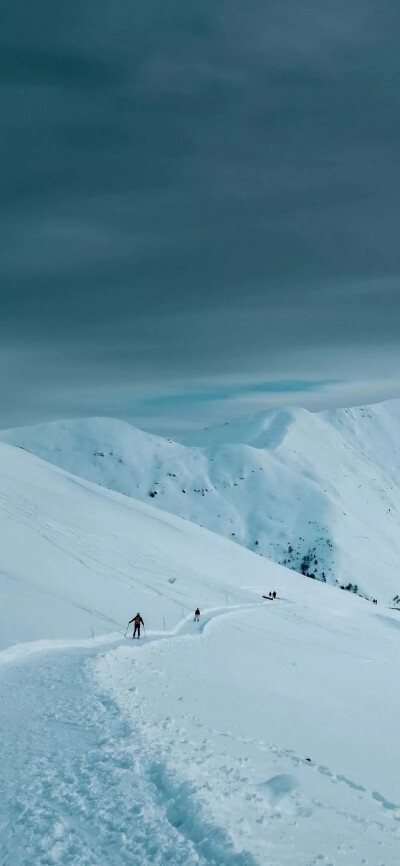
(81, 787)
(90, 786)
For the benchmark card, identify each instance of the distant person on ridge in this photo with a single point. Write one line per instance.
(138, 622)
(196, 615)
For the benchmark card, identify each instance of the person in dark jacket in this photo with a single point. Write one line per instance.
(196, 615)
(137, 620)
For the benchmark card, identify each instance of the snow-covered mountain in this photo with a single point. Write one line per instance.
(264, 734)
(76, 558)
(318, 492)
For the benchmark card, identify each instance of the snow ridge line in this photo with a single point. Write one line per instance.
(21, 651)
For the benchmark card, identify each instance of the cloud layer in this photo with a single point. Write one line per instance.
(195, 192)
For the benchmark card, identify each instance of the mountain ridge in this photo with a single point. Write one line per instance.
(316, 492)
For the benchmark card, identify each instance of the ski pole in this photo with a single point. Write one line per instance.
(145, 633)
(127, 630)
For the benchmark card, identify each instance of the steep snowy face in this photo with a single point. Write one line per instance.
(318, 493)
(77, 559)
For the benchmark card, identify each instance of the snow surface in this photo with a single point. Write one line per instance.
(260, 736)
(264, 735)
(276, 728)
(313, 491)
(77, 559)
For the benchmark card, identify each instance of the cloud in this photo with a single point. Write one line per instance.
(196, 193)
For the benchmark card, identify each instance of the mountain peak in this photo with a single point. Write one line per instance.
(317, 492)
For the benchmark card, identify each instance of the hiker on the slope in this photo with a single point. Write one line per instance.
(196, 615)
(137, 620)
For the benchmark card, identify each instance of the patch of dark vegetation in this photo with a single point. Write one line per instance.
(314, 559)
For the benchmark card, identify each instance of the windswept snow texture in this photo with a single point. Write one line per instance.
(318, 493)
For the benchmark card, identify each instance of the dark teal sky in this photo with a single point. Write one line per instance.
(197, 199)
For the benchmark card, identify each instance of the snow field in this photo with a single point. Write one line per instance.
(228, 742)
(277, 724)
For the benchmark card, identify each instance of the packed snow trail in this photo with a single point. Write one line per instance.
(20, 651)
(235, 747)
(82, 796)
(79, 786)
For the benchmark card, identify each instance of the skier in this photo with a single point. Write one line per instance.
(274, 594)
(196, 615)
(138, 621)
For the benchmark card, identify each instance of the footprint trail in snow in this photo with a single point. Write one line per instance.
(80, 788)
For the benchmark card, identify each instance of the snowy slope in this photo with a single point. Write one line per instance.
(271, 738)
(75, 557)
(261, 736)
(317, 492)
(265, 734)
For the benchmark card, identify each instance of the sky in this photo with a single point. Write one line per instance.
(200, 208)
